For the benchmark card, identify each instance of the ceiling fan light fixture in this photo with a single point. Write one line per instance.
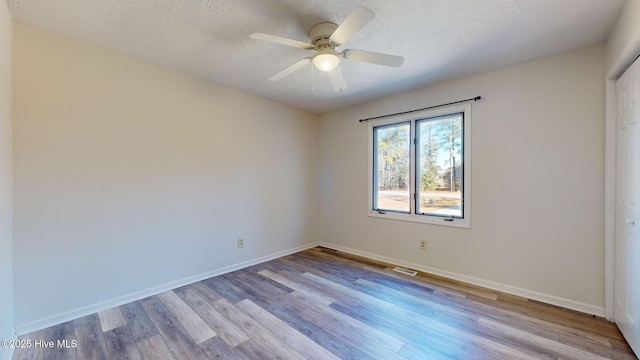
(326, 60)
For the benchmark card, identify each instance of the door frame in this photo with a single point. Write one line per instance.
(620, 64)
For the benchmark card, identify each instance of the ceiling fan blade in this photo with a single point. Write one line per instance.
(337, 80)
(358, 18)
(289, 69)
(373, 57)
(281, 40)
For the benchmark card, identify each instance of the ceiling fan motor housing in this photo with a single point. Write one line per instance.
(320, 34)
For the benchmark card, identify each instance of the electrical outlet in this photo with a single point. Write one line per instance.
(423, 244)
(240, 243)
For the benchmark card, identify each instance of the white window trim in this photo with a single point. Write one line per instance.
(465, 222)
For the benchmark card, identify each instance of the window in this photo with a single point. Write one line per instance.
(419, 168)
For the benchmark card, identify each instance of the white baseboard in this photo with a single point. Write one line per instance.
(529, 294)
(43, 323)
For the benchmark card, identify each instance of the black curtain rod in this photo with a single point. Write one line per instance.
(427, 108)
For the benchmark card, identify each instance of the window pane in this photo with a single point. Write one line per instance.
(391, 167)
(440, 166)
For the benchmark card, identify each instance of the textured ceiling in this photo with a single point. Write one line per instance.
(439, 39)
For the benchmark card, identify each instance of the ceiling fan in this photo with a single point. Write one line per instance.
(325, 38)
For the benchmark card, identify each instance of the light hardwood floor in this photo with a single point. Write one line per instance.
(324, 304)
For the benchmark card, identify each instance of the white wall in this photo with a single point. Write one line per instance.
(6, 272)
(537, 170)
(130, 176)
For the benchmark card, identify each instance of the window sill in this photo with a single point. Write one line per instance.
(431, 220)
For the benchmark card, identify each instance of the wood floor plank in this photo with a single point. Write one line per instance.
(229, 333)
(292, 261)
(216, 348)
(411, 352)
(121, 344)
(307, 290)
(606, 352)
(461, 340)
(190, 321)
(295, 339)
(272, 345)
(33, 352)
(346, 332)
(424, 302)
(263, 287)
(279, 264)
(540, 328)
(205, 291)
(549, 315)
(335, 270)
(328, 287)
(421, 335)
(91, 344)
(557, 349)
(251, 349)
(527, 319)
(61, 334)
(138, 321)
(431, 342)
(622, 350)
(257, 288)
(289, 312)
(364, 337)
(395, 297)
(225, 289)
(179, 343)
(350, 292)
(111, 319)
(389, 281)
(154, 348)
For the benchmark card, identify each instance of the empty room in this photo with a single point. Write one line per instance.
(285, 179)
